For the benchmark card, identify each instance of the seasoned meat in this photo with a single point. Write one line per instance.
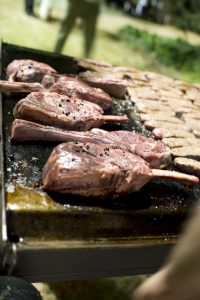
(161, 133)
(61, 111)
(155, 153)
(27, 70)
(114, 87)
(64, 85)
(64, 88)
(189, 152)
(89, 169)
(188, 165)
(71, 86)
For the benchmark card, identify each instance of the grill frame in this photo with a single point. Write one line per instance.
(46, 261)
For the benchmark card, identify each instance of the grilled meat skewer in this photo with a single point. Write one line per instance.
(98, 170)
(32, 71)
(65, 86)
(154, 152)
(61, 111)
(29, 71)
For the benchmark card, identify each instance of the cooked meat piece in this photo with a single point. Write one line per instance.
(178, 142)
(6, 86)
(151, 124)
(88, 169)
(161, 133)
(64, 88)
(64, 85)
(188, 165)
(189, 152)
(27, 70)
(114, 87)
(71, 86)
(155, 153)
(23, 131)
(61, 111)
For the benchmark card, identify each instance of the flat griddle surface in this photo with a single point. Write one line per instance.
(158, 210)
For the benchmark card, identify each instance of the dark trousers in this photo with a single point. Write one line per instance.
(29, 6)
(88, 12)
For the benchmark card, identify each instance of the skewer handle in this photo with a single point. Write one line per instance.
(6, 86)
(116, 119)
(176, 176)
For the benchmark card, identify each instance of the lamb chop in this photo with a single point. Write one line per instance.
(106, 82)
(27, 70)
(154, 152)
(99, 170)
(72, 86)
(61, 111)
(30, 72)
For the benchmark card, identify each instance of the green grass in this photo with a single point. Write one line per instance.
(174, 53)
(18, 28)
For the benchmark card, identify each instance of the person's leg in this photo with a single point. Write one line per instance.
(29, 6)
(90, 27)
(66, 26)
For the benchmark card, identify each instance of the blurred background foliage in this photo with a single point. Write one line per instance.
(183, 13)
(155, 35)
(178, 54)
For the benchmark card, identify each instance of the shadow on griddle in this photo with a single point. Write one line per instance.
(133, 201)
(159, 194)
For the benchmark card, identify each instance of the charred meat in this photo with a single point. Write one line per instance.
(155, 153)
(61, 111)
(99, 170)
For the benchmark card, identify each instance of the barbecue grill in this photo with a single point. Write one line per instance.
(46, 237)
